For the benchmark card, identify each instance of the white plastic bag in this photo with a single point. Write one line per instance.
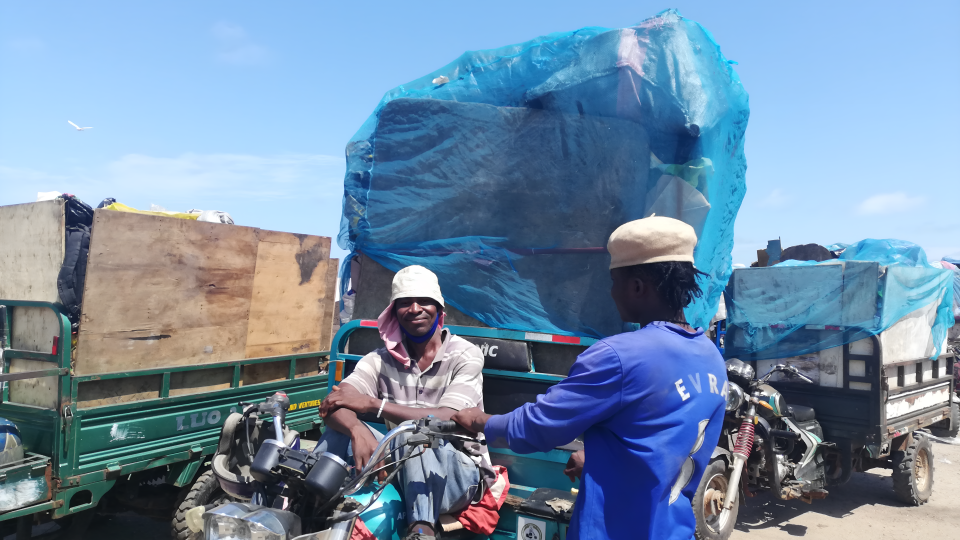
(347, 312)
(215, 216)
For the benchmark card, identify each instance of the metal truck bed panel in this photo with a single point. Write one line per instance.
(37, 426)
(118, 435)
(859, 397)
(843, 414)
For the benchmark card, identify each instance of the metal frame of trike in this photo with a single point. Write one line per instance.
(527, 471)
(74, 468)
(857, 418)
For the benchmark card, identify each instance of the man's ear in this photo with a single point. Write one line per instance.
(637, 286)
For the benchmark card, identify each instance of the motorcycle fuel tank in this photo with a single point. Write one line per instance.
(773, 398)
(387, 518)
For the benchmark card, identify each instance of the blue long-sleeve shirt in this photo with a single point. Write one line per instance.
(650, 404)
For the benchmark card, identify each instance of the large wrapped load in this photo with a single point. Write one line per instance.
(879, 312)
(505, 171)
(875, 287)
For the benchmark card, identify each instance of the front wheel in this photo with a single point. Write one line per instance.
(713, 522)
(913, 471)
(206, 490)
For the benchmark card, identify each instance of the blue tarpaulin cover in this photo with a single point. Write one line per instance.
(505, 171)
(770, 315)
(951, 264)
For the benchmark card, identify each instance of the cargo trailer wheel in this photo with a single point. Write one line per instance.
(713, 522)
(206, 490)
(913, 471)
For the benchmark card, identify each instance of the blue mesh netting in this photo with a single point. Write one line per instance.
(505, 171)
(800, 307)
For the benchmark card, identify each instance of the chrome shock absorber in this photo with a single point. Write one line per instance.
(741, 452)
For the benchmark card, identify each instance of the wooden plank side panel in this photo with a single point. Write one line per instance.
(278, 371)
(164, 292)
(115, 391)
(31, 250)
(291, 297)
(199, 382)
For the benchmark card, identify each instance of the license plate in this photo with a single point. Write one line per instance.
(531, 529)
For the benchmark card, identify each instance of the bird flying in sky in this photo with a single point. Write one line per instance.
(78, 127)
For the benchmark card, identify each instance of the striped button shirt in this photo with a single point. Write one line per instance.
(454, 380)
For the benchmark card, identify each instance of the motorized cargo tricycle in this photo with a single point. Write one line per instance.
(798, 425)
(81, 455)
(519, 366)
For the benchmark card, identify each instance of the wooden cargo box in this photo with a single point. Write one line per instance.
(166, 292)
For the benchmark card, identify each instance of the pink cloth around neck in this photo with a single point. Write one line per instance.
(392, 335)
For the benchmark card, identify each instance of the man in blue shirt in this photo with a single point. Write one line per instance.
(649, 403)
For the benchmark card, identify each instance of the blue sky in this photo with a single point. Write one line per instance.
(246, 106)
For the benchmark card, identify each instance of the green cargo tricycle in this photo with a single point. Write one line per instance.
(90, 446)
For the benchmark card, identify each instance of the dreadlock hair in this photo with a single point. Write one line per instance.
(675, 282)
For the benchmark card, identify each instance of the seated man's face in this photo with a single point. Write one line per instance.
(416, 315)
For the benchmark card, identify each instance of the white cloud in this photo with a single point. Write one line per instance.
(889, 203)
(285, 176)
(188, 177)
(776, 198)
(235, 47)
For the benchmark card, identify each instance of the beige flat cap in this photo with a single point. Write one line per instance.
(416, 282)
(650, 240)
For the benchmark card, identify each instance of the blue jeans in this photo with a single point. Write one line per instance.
(440, 481)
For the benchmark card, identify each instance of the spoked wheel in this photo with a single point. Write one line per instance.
(913, 471)
(713, 522)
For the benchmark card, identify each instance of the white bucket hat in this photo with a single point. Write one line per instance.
(410, 282)
(416, 282)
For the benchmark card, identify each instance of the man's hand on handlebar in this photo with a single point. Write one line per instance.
(575, 465)
(472, 419)
(347, 397)
(364, 443)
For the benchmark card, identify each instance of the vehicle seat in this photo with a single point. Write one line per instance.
(503, 354)
(801, 413)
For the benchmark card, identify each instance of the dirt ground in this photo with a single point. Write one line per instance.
(864, 508)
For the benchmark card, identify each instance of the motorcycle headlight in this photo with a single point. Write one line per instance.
(740, 371)
(270, 524)
(225, 528)
(224, 523)
(240, 521)
(734, 396)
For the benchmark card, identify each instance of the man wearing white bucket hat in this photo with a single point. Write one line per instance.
(649, 403)
(423, 370)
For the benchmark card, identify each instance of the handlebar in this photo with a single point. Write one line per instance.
(275, 406)
(377, 456)
(790, 370)
(442, 426)
(427, 429)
